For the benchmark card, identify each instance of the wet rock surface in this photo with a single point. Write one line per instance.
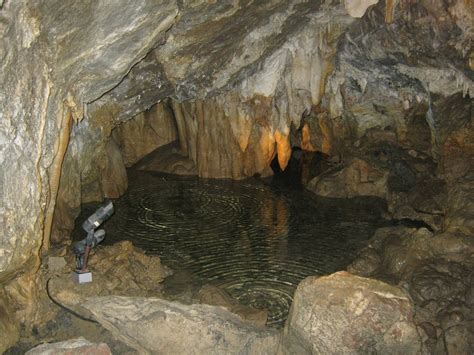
(49, 69)
(256, 239)
(168, 159)
(215, 296)
(123, 270)
(343, 314)
(232, 115)
(356, 178)
(145, 133)
(435, 267)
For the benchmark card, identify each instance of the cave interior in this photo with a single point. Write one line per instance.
(241, 130)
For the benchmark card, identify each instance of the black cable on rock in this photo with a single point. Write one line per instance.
(66, 308)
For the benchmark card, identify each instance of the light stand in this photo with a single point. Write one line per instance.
(82, 249)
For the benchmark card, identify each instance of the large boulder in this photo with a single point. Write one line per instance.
(342, 314)
(152, 325)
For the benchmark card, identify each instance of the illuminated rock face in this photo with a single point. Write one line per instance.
(243, 77)
(345, 314)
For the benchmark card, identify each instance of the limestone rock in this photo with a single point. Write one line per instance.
(346, 314)
(426, 202)
(367, 263)
(8, 325)
(113, 181)
(440, 281)
(50, 66)
(396, 251)
(376, 85)
(459, 339)
(156, 326)
(121, 269)
(357, 8)
(231, 135)
(77, 346)
(357, 178)
(242, 75)
(143, 134)
(439, 284)
(218, 297)
(49, 69)
(56, 263)
(168, 159)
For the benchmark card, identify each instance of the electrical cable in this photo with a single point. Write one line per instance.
(66, 308)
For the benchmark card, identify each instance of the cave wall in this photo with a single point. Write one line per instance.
(50, 67)
(146, 132)
(52, 62)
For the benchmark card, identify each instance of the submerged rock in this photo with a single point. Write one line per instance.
(218, 297)
(152, 325)
(342, 314)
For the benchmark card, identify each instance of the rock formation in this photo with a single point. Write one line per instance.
(345, 314)
(152, 325)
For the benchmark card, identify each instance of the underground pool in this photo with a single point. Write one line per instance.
(256, 239)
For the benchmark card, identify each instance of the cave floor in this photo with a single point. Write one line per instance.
(256, 239)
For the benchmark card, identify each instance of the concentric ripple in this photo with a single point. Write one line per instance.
(256, 241)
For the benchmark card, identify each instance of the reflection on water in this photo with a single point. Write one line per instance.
(256, 241)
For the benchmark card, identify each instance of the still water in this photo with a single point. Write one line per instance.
(254, 238)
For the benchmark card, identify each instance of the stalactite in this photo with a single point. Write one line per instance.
(283, 148)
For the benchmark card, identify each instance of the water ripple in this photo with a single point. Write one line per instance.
(255, 241)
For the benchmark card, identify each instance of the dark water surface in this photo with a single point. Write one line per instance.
(257, 240)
